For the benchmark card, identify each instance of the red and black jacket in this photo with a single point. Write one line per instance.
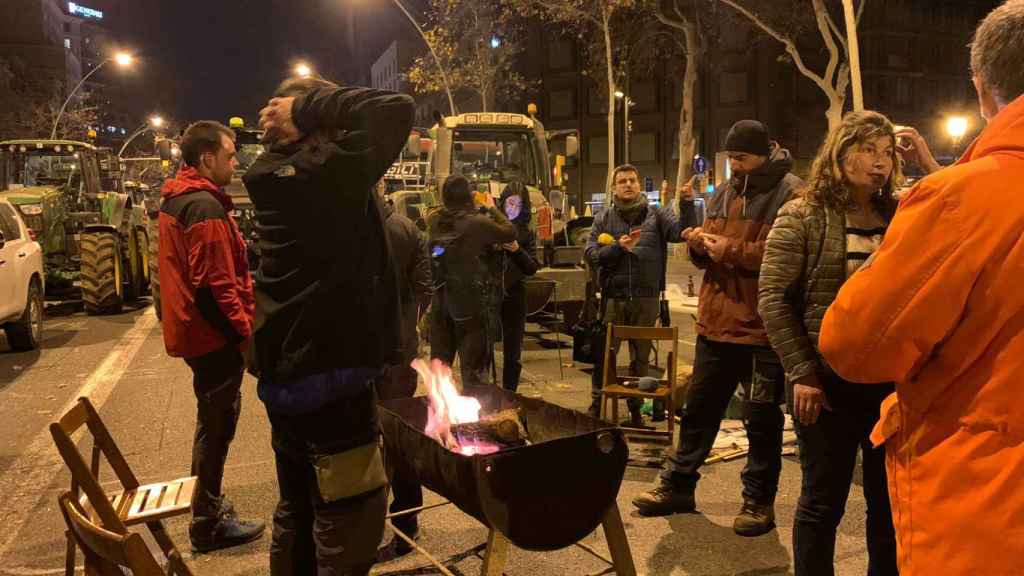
(206, 291)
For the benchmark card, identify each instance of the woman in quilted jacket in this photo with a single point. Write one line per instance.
(818, 241)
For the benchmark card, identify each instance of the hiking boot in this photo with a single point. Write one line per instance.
(754, 519)
(664, 500)
(224, 531)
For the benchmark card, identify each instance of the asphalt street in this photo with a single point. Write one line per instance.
(147, 402)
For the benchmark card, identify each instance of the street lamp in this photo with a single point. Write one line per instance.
(154, 123)
(123, 59)
(302, 70)
(444, 75)
(956, 127)
(627, 103)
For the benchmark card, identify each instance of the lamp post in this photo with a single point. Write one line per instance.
(154, 122)
(956, 127)
(440, 68)
(121, 58)
(627, 102)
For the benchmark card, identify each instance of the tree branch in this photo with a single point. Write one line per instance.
(785, 41)
(822, 17)
(835, 30)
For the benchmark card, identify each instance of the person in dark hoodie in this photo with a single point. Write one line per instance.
(465, 295)
(517, 261)
(411, 260)
(628, 246)
(732, 344)
(207, 307)
(327, 316)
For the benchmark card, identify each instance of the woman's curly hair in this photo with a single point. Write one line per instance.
(826, 185)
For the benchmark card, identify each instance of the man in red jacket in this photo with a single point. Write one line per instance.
(207, 308)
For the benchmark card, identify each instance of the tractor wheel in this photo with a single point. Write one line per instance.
(142, 253)
(102, 289)
(134, 275)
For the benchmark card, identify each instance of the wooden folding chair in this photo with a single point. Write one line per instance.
(615, 387)
(133, 504)
(108, 552)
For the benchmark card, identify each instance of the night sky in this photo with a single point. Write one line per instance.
(215, 59)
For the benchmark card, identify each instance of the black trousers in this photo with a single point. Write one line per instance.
(217, 382)
(311, 535)
(469, 338)
(828, 455)
(400, 382)
(639, 311)
(513, 325)
(718, 369)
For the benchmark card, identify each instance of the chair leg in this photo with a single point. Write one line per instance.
(615, 409)
(69, 560)
(156, 528)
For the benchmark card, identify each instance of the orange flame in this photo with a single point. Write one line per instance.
(447, 406)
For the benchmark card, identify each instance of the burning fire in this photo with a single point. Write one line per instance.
(447, 408)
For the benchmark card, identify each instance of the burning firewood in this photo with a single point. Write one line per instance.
(505, 428)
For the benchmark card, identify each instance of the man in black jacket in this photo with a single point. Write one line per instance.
(628, 246)
(327, 316)
(412, 263)
(467, 294)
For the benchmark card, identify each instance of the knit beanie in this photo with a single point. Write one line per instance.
(748, 136)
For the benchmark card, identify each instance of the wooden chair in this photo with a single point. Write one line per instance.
(134, 504)
(615, 387)
(108, 552)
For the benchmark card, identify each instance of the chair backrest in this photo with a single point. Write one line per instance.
(654, 333)
(106, 551)
(87, 477)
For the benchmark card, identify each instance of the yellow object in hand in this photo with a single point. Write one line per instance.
(605, 239)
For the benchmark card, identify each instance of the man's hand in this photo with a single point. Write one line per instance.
(715, 245)
(808, 400)
(486, 200)
(512, 246)
(276, 119)
(628, 242)
(914, 149)
(686, 190)
(693, 239)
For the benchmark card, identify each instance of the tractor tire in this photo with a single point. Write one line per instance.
(102, 289)
(25, 333)
(135, 278)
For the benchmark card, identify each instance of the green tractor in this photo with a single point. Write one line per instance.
(93, 232)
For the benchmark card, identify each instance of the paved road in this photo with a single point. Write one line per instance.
(146, 400)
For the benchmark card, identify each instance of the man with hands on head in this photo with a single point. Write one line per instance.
(732, 346)
(327, 316)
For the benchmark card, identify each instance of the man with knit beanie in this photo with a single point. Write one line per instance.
(628, 244)
(732, 346)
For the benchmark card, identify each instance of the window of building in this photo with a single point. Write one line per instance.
(67, 27)
(562, 104)
(644, 96)
(67, 43)
(732, 88)
(597, 150)
(643, 147)
(560, 54)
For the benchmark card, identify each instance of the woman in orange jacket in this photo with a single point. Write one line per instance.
(940, 311)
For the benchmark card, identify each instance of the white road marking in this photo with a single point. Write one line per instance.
(37, 465)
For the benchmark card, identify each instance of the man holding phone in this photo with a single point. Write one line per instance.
(732, 345)
(628, 244)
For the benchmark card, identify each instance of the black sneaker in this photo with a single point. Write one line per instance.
(664, 500)
(398, 547)
(754, 519)
(225, 531)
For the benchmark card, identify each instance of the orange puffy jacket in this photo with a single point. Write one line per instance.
(940, 311)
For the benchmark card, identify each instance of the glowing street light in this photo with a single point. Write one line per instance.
(620, 94)
(123, 59)
(153, 123)
(956, 127)
(303, 70)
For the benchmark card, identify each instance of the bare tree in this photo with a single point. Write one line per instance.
(28, 105)
(834, 80)
(587, 17)
(477, 43)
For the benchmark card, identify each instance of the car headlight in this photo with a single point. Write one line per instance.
(31, 209)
